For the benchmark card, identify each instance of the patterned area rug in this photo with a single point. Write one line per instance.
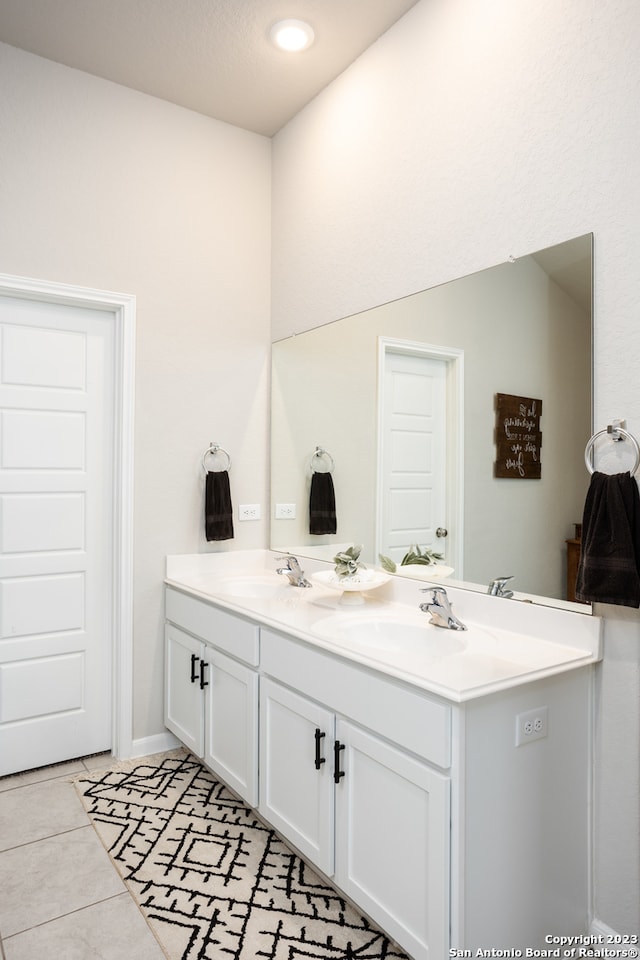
(212, 880)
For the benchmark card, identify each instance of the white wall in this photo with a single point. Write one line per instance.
(469, 132)
(104, 187)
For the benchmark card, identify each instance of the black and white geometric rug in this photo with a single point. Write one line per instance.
(212, 880)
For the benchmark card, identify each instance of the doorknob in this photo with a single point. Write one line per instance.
(442, 532)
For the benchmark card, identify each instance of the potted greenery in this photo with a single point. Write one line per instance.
(420, 561)
(347, 562)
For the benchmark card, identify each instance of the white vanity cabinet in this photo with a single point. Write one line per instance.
(455, 823)
(366, 811)
(211, 698)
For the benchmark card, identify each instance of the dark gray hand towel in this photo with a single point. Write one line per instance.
(322, 504)
(609, 566)
(218, 512)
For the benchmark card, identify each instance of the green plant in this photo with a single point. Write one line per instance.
(415, 555)
(347, 562)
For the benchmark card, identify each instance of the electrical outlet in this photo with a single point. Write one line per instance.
(531, 725)
(249, 511)
(285, 511)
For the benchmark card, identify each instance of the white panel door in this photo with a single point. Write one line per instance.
(56, 553)
(414, 454)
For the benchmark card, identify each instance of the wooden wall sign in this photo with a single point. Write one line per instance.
(518, 437)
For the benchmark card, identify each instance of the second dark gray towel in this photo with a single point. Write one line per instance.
(322, 504)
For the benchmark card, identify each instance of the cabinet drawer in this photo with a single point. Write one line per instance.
(383, 705)
(226, 631)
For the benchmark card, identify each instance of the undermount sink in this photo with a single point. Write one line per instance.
(257, 587)
(382, 634)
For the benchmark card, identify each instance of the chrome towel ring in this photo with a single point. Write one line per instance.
(616, 432)
(318, 456)
(212, 450)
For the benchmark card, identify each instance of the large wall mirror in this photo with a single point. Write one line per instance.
(403, 399)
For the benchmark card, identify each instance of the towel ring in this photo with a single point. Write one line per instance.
(211, 451)
(625, 436)
(319, 453)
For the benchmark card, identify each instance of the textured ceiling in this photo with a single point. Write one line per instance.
(212, 56)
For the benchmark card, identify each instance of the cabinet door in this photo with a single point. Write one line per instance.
(392, 840)
(183, 701)
(231, 724)
(296, 771)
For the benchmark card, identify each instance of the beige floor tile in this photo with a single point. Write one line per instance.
(69, 769)
(50, 878)
(99, 761)
(39, 810)
(112, 930)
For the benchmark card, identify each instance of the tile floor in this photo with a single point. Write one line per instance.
(60, 896)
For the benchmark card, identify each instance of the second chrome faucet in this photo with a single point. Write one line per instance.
(439, 606)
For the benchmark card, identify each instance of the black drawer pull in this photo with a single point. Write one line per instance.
(194, 660)
(203, 666)
(338, 774)
(319, 737)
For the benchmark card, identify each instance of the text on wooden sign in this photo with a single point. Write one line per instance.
(518, 437)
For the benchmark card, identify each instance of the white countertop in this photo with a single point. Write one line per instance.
(507, 643)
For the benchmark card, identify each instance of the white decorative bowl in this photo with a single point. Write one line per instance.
(352, 587)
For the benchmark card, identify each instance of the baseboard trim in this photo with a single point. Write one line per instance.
(156, 744)
(600, 929)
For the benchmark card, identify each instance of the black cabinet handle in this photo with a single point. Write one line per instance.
(338, 774)
(319, 737)
(203, 666)
(194, 660)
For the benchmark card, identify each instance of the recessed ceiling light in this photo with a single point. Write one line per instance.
(292, 35)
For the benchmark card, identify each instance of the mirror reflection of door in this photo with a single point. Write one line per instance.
(417, 468)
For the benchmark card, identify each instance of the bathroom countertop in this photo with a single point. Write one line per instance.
(502, 647)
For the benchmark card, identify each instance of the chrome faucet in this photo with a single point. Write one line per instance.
(293, 572)
(439, 607)
(497, 588)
